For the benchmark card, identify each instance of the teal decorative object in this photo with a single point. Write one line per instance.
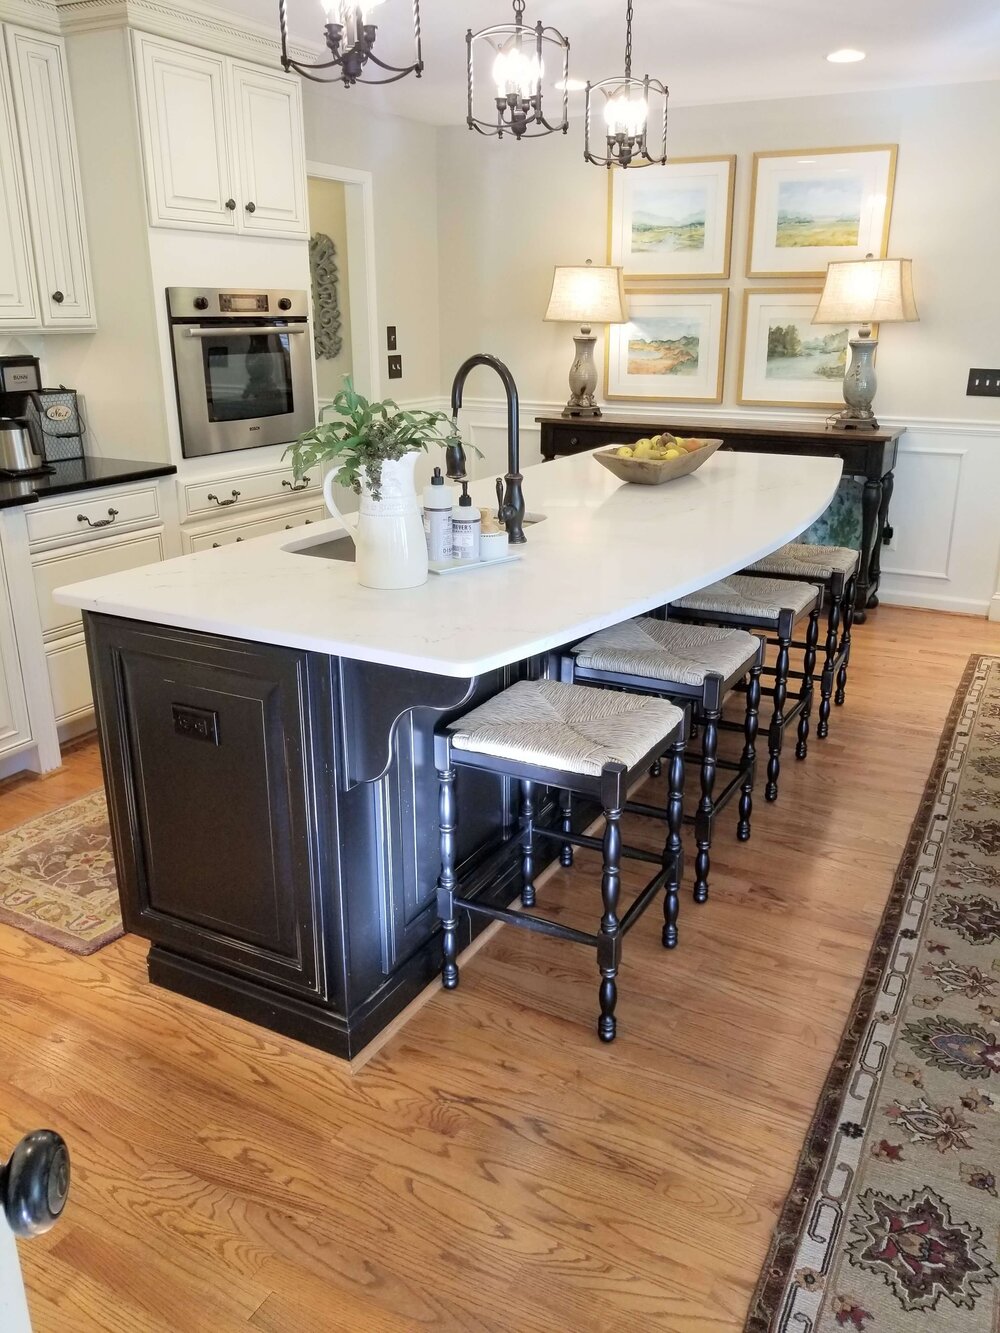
(840, 525)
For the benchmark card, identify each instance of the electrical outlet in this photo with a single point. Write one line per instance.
(395, 367)
(390, 337)
(983, 384)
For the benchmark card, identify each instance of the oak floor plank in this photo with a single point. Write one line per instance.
(493, 1167)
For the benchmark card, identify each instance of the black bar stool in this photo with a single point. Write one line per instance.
(749, 602)
(836, 568)
(699, 664)
(595, 743)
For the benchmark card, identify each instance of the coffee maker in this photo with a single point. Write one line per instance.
(19, 455)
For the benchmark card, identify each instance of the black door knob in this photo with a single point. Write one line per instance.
(284, 303)
(251, 207)
(58, 297)
(201, 303)
(230, 204)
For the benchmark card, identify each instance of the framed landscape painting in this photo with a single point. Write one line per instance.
(786, 360)
(673, 347)
(811, 206)
(672, 221)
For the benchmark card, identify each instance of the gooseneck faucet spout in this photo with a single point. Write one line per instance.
(512, 505)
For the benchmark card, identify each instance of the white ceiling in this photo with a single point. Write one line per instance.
(707, 51)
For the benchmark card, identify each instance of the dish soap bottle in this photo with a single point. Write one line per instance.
(438, 502)
(466, 523)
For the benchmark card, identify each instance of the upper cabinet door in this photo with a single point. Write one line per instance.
(18, 304)
(51, 177)
(187, 144)
(271, 151)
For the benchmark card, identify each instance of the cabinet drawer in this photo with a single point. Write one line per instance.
(82, 516)
(69, 679)
(242, 532)
(74, 565)
(226, 494)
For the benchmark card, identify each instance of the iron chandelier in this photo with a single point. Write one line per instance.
(350, 39)
(516, 74)
(626, 114)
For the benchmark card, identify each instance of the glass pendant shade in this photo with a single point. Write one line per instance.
(510, 101)
(350, 38)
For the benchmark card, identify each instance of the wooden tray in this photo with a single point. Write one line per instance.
(651, 471)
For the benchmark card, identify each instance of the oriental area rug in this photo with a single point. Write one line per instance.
(893, 1221)
(57, 877)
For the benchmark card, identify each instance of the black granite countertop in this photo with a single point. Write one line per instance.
(78, 474)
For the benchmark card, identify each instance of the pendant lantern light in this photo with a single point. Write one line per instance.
(516, 55)
(628, 105)
(350, 39)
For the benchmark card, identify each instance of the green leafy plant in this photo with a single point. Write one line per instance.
(361, 435)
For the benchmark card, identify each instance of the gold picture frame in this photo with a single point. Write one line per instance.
(818, 366)
(712, 175)
(706, 310)
(791, 249)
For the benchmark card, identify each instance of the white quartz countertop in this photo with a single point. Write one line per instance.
(605, 552)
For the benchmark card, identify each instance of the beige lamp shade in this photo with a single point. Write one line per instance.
(867, 291)
(587, 294)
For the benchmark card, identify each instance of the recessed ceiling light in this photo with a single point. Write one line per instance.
(847, 55)
(570, 85)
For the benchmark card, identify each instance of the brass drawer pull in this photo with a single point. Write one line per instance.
(101, 522)
(301, 485)
(224, 504)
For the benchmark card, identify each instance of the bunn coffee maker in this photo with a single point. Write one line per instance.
(19, 452)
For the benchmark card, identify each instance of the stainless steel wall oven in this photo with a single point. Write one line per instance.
(242, 367)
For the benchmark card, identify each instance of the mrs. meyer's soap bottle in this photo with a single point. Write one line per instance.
(438, 502)
(466, 522)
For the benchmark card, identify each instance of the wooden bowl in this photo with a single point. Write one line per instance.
(652, 471)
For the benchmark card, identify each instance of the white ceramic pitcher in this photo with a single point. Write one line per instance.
(388, 533)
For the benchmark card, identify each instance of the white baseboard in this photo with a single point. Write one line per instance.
(994, 611)
(961, 606)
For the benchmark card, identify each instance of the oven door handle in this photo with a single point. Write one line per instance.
(200, 331)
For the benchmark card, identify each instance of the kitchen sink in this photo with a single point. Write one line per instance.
(341, 547)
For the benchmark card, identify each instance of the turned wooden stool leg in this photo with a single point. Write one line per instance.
(609, 943)
(706, 806)
(447, 823)
(845, 643)
(656, 768)
(836, 592)
(674, 849)
(748, 759)
(806, 692)
(526, 824)
(566, 821)
(776, 728)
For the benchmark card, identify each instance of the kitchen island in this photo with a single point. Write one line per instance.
(266, 725)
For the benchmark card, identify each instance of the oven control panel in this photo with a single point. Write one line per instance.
(206, 303)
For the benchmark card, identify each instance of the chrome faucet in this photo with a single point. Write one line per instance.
(511, 498)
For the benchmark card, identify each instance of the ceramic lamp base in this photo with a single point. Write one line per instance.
(583, 377)
(859, 387)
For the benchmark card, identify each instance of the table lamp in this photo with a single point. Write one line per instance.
(865, 292)
(586, 294)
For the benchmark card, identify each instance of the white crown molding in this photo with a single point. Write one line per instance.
(41, 14)
(191, 21)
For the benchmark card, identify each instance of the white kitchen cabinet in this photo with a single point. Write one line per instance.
(271, 151)
(186, 139)
(18, 301)
(15, 727)
(207, 537)
(222, 141)
(44, 115)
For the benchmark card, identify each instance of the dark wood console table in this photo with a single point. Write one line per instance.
(869, 455)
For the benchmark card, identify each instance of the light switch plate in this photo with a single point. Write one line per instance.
(983, 384)
(390, 337)
(395, 367)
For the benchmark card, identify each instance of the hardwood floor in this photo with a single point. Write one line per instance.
(493, 1167)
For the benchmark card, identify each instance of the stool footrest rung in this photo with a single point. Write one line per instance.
(585, 840)
(536, 923)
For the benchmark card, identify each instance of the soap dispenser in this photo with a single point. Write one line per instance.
(466, 523)
(439, 500)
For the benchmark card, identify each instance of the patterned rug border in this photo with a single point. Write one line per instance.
(784, 1242)
(58, 938)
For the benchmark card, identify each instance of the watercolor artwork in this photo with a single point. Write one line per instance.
(664, 346)
(797, 350)
(669, 220)
(672, 221)
(819, 212)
